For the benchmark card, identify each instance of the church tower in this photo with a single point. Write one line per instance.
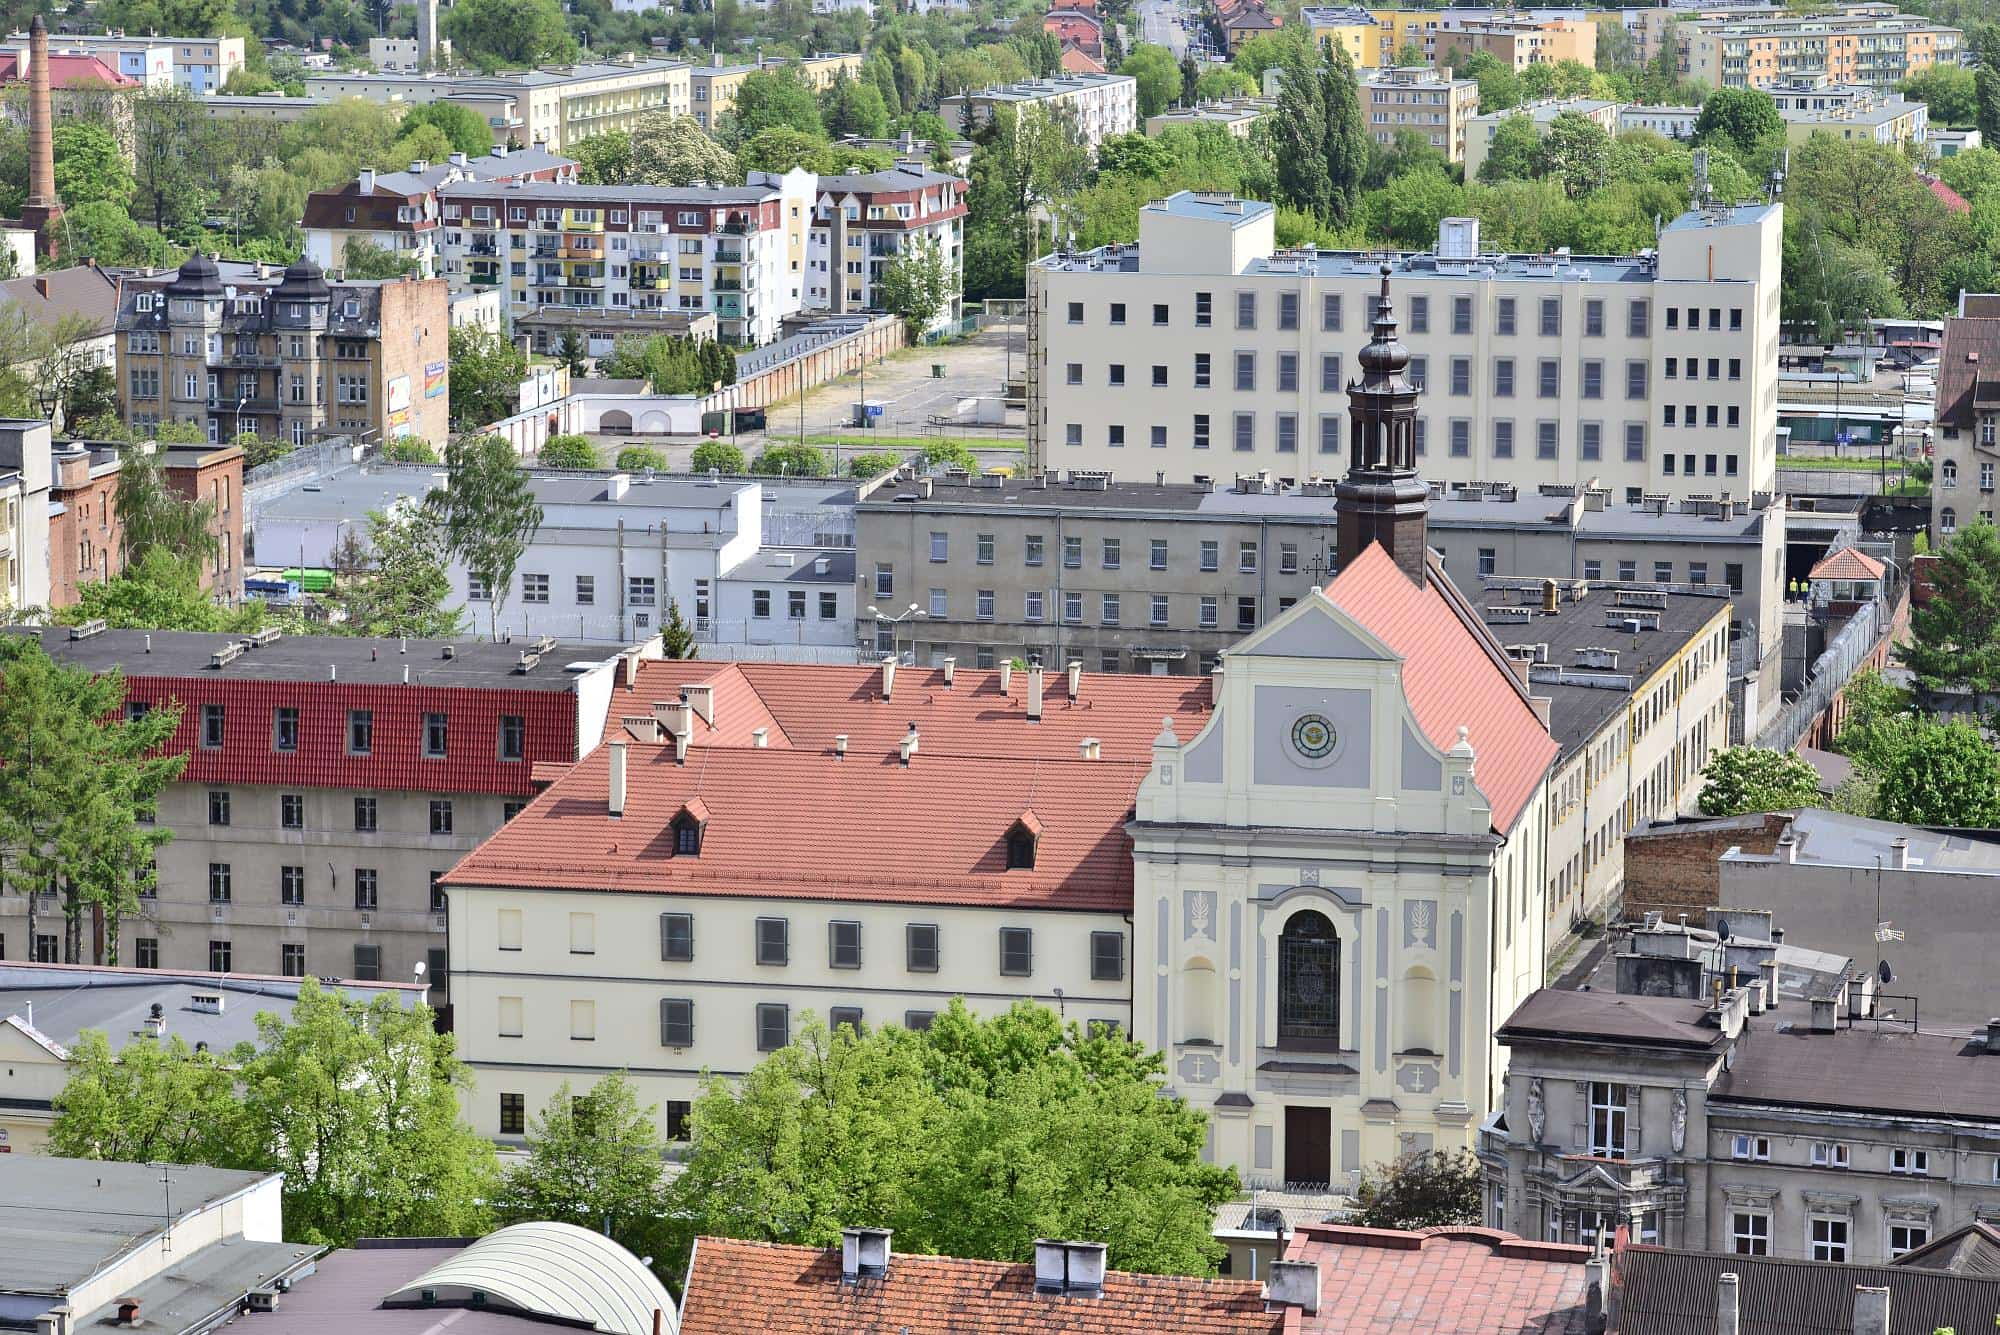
(1382, 500)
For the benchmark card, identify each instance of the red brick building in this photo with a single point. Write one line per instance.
(86, 540)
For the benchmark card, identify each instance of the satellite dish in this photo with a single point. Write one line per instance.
(1722, 929)
(1886, 974)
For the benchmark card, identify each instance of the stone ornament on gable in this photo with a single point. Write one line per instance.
(1680, 1120)
(1538, 1113)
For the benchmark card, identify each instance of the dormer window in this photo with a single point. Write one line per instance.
(687, 826)
(1022, 836)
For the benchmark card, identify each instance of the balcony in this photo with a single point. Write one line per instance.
(726, 285)
(638, 284)
(487, 248)
(729, 305)
(590, 253)
(485, 280)
(585, 280)
(729, 254)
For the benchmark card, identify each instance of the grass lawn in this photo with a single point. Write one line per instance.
(1852, 463)
(864, 441)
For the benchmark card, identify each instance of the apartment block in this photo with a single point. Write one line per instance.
(861, 223)
(1853, 112)
(246, 347)
(1100, 105)
(199, 64)
(1481, 129)
(1423, 99)
(1235, 116)
(330, 783)
(712, 88)
(1518, 42)
(553, 107)
(26, 477)
(1874, 49)
(737, 252)
(1206, 351)
(1968, 416)
(399, 212)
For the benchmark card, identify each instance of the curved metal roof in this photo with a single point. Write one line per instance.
(549, 1269)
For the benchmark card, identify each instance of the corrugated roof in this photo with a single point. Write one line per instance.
(558, 1271)
(1453, 675)
(1972, 1250)
(736, 1286)
(1662, 1292)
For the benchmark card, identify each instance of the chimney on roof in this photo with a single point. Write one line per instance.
(1900, 853)
(1551, 597)
(840, 745)
(760, 737)
(1770, 968)
(367, 180)
(629, 665)
(1825, 1015)
(1035, 693)
(950, 666)
(1292, 1284)
(1728, 1308)
(1088, 748)
(907, 747)
(616, 804)
(864, 1254)
(1075, 679)
(680, 748)
(1006, 675)
(701, 699)
(1788, 847)
(1074, 1269)
(889, 677)
(128, 1311)
(1871, 1309)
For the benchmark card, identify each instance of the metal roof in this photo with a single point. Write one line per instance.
(556, 1271)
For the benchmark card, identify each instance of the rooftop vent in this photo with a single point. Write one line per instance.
(257, 639)
(1293, 1283)
(907, 746)
(226, 655)
(864, 1254)
(1075, 1269)
(205, 1003)
(261, 1300)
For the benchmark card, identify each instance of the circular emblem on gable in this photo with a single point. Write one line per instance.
(1313, 736)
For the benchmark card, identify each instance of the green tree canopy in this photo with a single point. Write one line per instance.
(1574, 152)
(147, 1103)
(1743, 119)
(1514, 153)
(1946, 774)
(488, 510)
(486, 375)
(364, 259)
(673, 150)
(971, 1139)
(717, 456)
(1955, 637)
(159, 591)
(604, 159)
(90, 168)
(569, 451)
(874, 463)
(780, 148)
(463, 128)
(635, 457)
(404, 584)
(771, 97)
(792, 460)
(594, 1160)
(1422, 1189)
(1743, 779)
(498, 34)
(1158, 75)
(917, 285)
(854, 107)
(154, 515)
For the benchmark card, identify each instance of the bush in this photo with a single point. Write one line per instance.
(874, 465)
(1744, 779)
(942, 454)
(409, 450)
(717, 456)
(634, 457)
(791, 460)
(568, 452)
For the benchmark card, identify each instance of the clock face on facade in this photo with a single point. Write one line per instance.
(1313, 737)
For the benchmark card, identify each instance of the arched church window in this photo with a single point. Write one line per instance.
(1309, 983)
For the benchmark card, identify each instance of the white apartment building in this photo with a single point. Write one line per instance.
(555, 106)
(1206, 351)
(199, 64)
(1102, 105)
(862, 222)
(27, 472)
(737, 252)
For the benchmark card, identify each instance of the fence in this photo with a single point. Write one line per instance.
(319, 458)
(1845, 655)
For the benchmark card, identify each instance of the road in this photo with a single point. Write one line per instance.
(1160, 25)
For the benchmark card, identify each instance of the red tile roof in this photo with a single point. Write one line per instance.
(1454, 674)
(735, 1286)
(68, 71)
(1075, 60)
(805, 824)
(1947, 196)
(1848, 563)
(1446, 1281)
(805, 705)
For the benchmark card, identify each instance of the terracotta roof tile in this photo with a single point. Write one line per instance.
(806, 705)
(736, 1286)
(1848, 563)
(1947, 196)
(1445, 1281)
(1453, 674)
(806, 825)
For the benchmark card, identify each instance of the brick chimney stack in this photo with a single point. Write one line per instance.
(42, 208)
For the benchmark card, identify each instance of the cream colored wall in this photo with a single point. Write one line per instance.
(252, 1214)
(623, 978)
(29, 1074)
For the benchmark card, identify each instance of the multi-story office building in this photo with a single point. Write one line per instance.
(861, 223)
(1423, 99)
(199, 64)
(1874, 49)
(736, 251)
(1481, 129)
(1100, 105)
(1804, 1128)
(329, 783)
(1204, 350)
(1968, 416)
(554, 107)
(398, 211)
(287, 354)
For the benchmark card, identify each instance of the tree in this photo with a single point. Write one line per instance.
(361, 258)
(568, 451)
(90, 169)
(604, 159)
(1742, 119)
(1829, 285)
(594, 1160)
(916, 285)
(149, 1102)
(1954, 640)
(494, 34)
(1574, 152)
(673, 150)
(780, 149)
(1499, 85)
(1946, 774)
(486, 375)
(488, 511)
(792, 460)
(409, 450)
(1422, 1189)
(855, 108)
(403, 582)
(1158, 74)
(153, 515)
(941, 454)
(81, 775)
(1513, 152)
(676, 636)
(572, 353)
(1615, 47)
(635, 457)
(971, 1139)
(1950, 91)
(1221, 82)
(771, 97)
(874, 464)
(1986, 83)
(717, 456)
(170, 133)
(463, 128)
(1298, 127)
(1743, 779)
(357, 1104)
(159, 591)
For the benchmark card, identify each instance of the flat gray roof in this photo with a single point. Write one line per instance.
(343, 1296)
(1838, 839)
(307, 658)
(64, 1218)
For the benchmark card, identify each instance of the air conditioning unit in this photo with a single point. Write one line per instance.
(261, 1300)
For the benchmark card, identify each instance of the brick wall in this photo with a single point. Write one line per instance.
(1673, 869)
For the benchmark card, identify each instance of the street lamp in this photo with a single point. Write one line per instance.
(910, 613)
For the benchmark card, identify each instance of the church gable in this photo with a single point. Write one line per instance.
(1312, 628)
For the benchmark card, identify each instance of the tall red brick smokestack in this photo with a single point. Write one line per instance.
(42, 208)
